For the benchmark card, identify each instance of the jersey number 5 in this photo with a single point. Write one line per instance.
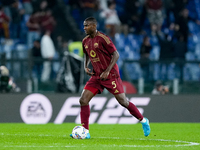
(114, 84)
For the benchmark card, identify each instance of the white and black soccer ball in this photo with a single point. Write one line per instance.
(79, 132)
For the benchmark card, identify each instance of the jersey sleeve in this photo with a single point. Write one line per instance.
(84, 51)
(83, 44)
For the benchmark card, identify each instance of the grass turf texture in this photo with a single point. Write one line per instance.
(169, 136)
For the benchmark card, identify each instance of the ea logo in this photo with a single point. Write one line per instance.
(36, 109)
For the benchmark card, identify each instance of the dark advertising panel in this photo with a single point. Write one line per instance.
(58, 108)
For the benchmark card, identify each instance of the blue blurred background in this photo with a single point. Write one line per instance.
(158, 40)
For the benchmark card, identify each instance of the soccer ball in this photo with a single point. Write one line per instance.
(79, 132)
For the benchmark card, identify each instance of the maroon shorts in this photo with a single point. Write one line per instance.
(114, 86)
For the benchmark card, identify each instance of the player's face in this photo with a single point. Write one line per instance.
(89, 27)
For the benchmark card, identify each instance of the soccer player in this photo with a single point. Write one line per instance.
(101, 52)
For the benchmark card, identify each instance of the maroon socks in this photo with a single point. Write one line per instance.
(134, 111)
(85, 114)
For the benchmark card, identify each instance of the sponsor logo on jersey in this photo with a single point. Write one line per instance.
(95, 59)
(92, 53)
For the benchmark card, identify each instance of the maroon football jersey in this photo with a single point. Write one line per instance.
(99, 49)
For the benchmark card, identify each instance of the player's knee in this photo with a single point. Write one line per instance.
(123, 102)
(83, 101)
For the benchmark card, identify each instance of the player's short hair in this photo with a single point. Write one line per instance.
(91, 19)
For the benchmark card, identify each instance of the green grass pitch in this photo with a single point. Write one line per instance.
(169, 136)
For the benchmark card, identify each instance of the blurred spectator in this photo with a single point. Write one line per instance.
(144, 57)
(154, 29)
(103, 4)
(109, 18)
(48, 22)
(100, 20)
(180, 49)
(168, 7)
(4, 20)
(131, 15)
(27, 6)
(142, 17)
(6, 7)
(166, 53)
(160, 89)
(112, 21)
(181, 24)
(155, 13)
(59, 45)
(33, 29)
(179, 5)
(43, 6)
(87, 7)
(36, 58)
(48, 52)
(166, 46)
(16, 14)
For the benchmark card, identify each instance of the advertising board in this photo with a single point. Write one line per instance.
(59, 108)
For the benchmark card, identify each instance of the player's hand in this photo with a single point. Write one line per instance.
(104, 75)
(88, 71)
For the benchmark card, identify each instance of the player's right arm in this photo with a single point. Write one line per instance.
(86, 64)
(114, 58)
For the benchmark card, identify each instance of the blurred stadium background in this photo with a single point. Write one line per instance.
(174, 60)
(159, 46)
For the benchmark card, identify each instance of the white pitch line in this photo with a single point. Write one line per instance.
(184, 143)
(161, 140)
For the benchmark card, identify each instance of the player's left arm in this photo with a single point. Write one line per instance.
(114, 58)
